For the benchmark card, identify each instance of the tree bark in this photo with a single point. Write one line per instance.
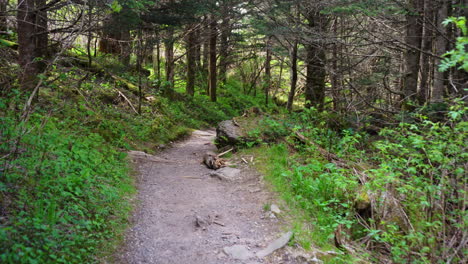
(267, 69)
(426, 45)
(212, 60)
(316, 74)
(157, 59)
(224, 44)
(205, 36)
(26, 23)
(191, 60)
(412, 56)
(293, 73)
(438, 90)
(198, 53)
(315, 80)
(3, 8)
(169, 54)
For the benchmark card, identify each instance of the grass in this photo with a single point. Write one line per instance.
(66, 186)
(307, 218)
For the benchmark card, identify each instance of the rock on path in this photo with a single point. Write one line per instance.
(187, 216)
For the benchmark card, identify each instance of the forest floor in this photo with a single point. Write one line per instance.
(185, 215)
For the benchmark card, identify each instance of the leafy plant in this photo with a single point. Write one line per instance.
(459, 55)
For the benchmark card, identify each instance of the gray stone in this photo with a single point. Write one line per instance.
(226, 174)
(275, 209)
(315, 260)
(238, 252)
(275, 245)
(228, 133)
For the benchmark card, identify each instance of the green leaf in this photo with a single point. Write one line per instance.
(7, 43)
(116, 6)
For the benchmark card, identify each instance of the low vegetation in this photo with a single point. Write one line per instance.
(66, 187)
(399, 195)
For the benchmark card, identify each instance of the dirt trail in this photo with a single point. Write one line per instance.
(176, 194)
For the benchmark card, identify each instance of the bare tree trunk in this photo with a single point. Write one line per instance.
(42, 37)
(3, 8)
(280, 79)
(334, 74)
(206, 53)
(426, 45)
(412, 56)
(26, 19)
(157, 59)
(90, 34)
(212, 61)
(293, 73)
(438, 90)
(267, 69)
(169, 54)
(316, 74)
(224, 44)
(198, 62)
(315, 81)
(191, 60)
(139, 53)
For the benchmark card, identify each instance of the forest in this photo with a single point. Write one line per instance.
(355, 111)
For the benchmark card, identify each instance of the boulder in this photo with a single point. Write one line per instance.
(228, 133)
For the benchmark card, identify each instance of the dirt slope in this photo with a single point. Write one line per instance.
(187, 216)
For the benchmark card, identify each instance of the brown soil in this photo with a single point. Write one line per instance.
(185, 216)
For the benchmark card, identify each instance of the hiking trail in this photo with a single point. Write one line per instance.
(185, 215)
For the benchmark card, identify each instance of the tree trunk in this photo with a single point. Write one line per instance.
(26, 19)
(3, 8)
(212, 61)
(316, 74)
(426, 45)
(198, 52)
(293, 73)
(90, 34)
(315, 81)
(224, 44)
(169, 54)
(334, 81)
(267, 69)
(157, 59)
(438, 90)
(412, 56)
(191, 60)
(125, 47)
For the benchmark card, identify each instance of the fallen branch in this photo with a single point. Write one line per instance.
(128, 101)
(225, 152)
(327, 154)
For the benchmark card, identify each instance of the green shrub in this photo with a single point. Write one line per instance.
(62, 192)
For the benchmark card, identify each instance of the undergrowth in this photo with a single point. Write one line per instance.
(63, 191)
(400, 195)
(65, 183)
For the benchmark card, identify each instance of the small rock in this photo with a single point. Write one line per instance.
(221, 255)
(277, 244)
(315, 260)
(201, 223)
(275, 209)
(238, 252)
(226, 174)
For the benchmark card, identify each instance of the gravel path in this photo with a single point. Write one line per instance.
(185, 216)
